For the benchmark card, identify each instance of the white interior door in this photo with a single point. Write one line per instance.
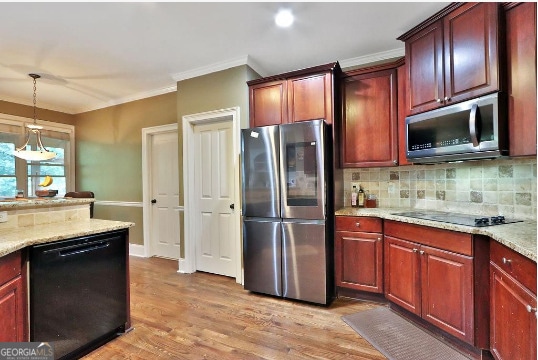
(214, 194)
(165, 230)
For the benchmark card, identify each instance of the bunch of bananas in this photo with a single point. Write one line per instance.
(46, 181)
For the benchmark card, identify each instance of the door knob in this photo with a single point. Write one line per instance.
(153, 201)
(232, 206)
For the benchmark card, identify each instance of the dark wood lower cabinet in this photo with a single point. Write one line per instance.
(433, 283)
(359, 254)
(13, 304)
(512, 305)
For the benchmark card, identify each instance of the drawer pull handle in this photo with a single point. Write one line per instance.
(530, 309)
(506, 261)
(421, 252)
(357, 224)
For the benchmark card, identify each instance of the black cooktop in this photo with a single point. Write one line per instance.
(456, 218)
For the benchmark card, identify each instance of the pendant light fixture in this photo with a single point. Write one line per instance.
(41, 153)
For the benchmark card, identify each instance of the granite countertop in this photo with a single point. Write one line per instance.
(520, 237)
(14, 239)
(26, 203)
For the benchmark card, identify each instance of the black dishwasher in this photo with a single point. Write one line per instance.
(78, 292)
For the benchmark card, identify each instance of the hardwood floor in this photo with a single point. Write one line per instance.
(205, 316)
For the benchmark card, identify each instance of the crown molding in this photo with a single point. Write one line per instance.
(126, 99)
(367, 59)
(223, 65)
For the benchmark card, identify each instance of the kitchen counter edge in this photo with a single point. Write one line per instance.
(520, 237)
(12, 240)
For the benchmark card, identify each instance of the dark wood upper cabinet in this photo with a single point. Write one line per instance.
(521, 66)
(369, 135)
(268, 103)
(453, 56)
(301, 95)
(402, 97)
(310, 98)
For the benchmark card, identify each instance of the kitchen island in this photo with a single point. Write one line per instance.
(51, 254)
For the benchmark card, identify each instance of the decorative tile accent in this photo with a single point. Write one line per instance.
(450, 173)
(487, 187)
(506, 171)
(476, 196)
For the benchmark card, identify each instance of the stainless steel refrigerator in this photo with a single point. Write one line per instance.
(287, 190)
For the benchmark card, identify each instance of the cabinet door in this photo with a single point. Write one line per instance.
(424, 61)
(12, 311)
(402, 274)
(521, 58)
(513, 327)
(447, 291)
(310, 98)
(471, 51)
(359, 260)
(369, 131)
(402, 113)
(268, 104)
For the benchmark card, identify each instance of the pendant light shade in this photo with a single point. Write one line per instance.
(41, 153)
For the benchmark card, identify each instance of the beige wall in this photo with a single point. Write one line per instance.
(109, 155)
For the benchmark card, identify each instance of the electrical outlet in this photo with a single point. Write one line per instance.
(3, 216)
(356, 184)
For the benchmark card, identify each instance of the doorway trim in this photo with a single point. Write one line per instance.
(147, 133)
(188, 263)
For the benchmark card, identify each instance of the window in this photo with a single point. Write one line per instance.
(16, 173)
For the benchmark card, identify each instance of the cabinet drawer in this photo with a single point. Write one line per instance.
(442, 239)
(515, 264)
(10, 266)
(359, 223)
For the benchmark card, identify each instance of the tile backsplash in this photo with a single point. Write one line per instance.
(486, 187)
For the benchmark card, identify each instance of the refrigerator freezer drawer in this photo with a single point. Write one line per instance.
(304, 261)
(262, 255)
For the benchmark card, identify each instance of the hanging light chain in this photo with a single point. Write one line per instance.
(35, 101)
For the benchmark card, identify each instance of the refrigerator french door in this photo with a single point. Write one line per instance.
(284, 184)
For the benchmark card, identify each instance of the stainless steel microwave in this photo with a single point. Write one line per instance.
(474, 129)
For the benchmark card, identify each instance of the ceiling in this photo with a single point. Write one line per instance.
(93, 55)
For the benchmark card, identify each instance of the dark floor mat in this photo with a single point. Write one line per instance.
(397, 338)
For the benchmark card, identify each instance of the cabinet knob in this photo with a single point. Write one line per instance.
(421, 252)
(378, 239)
(506, 261)
(438, 100)
(447, 98)
(530, 309)
(357, 224)
(415, 250)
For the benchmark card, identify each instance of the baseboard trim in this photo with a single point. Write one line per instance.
(137, 250)
(183, 267)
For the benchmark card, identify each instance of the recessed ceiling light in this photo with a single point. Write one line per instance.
(284, 18)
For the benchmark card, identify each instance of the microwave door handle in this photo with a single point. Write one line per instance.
(474, 126)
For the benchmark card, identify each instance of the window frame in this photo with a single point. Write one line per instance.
(69, 156)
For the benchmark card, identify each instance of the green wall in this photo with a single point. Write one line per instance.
(109, 155)
(215, 91)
